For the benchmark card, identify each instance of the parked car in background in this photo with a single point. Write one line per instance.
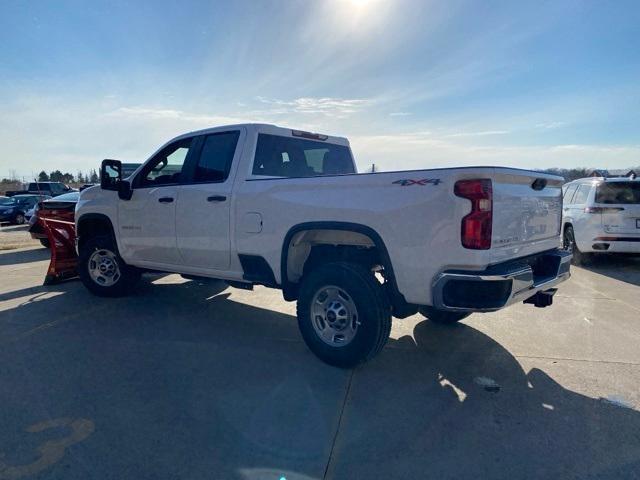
(129, 168)
(31, 202)
(15, 209)
(36, 229)
(52, 189)
(9, 212)
(601, 215)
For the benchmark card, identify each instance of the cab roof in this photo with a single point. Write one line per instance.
(269, 129)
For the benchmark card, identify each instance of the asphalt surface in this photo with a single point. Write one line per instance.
(197, 381)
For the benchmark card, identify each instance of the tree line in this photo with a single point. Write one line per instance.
(76, 181)
(80, 177)
(571, 174)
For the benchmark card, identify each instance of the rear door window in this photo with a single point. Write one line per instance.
(278, 156)
(619, 193)
(216, 157)
(581, 195)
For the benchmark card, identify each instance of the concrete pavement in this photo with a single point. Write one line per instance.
(197, 381)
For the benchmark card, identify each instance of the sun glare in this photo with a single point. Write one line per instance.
(360, 4)
(359, 14)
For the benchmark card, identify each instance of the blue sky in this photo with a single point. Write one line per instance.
(412, 83)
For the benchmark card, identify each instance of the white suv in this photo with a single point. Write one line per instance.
(601, 215)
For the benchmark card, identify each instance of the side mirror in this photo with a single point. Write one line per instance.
(110, 174)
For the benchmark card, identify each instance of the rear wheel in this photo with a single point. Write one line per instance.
(20, 219)
(343, 314)
(439, 316)
(569, 243)
(102, 270)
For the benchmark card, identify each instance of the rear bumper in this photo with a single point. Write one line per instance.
(502, 284)
(616, 244)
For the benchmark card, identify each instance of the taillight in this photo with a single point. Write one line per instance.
(603, 209)
(476, 226)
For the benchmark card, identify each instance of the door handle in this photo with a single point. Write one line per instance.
(216, 198)
(165, 199)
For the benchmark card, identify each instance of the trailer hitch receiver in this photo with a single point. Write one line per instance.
(542, 299)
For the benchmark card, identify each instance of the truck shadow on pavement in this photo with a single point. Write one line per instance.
(183, 382)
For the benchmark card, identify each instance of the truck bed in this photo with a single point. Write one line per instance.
(416, 213)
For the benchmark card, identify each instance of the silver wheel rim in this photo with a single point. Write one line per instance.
(334, 316)
(20, 219)
(103, 267)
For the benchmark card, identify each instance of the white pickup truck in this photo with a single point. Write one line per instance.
(256, 204)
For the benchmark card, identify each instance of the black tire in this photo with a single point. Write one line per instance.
(44, 242)
(371, 303)
(127, 278)
(19, 220)
(439, 316)
(569, 243)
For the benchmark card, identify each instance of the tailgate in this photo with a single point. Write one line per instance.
(621, 219)
(620, 205)
(527, 207)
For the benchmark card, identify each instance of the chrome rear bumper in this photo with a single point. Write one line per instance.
(500, 285)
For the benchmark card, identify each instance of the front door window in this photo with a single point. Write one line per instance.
(165, 168)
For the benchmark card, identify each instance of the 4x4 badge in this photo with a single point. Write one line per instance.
(424, 181)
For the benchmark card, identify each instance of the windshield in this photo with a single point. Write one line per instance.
(619, 193)
(24, 200)
(6, 201)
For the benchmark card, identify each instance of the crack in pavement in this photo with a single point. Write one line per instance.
(586, 360)
(335, 437)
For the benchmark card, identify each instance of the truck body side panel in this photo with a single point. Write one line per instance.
(416, 214)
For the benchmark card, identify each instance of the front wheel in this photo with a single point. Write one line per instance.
(343, 314)
(442, 317)
(20, 220)
(102, 270)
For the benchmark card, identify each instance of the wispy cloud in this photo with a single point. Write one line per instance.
(483, 133)
(331, 107)
(550, 125)
(149, 113)
(400, 114)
